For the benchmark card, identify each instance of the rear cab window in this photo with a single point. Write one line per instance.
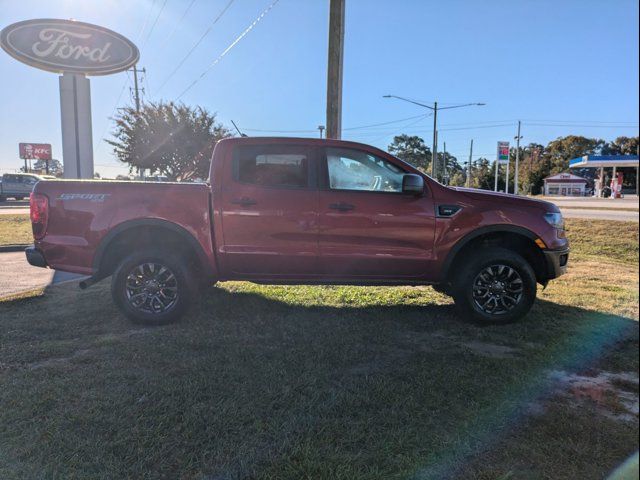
(274, 166)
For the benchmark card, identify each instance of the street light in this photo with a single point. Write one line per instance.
(434, 109)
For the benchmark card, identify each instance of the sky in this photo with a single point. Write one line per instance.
(561, 67)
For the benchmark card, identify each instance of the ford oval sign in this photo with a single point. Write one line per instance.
(68, 46)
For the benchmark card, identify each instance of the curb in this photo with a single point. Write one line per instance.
(13, 248)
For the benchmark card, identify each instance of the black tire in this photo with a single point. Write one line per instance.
(148, 295)
(494, 286)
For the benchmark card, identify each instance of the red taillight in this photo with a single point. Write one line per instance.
(39, 205)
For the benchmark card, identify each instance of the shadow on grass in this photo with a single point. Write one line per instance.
(278, 383)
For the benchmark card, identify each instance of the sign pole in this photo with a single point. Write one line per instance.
(502, 157)
(77, 139)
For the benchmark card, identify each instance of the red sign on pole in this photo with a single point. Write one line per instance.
(35, 151)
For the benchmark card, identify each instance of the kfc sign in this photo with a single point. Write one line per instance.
(35, 151)
(69, 46)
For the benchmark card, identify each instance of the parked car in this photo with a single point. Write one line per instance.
(19, 185)
(299, 211)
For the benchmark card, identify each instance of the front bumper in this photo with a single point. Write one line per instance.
(557, 261)
(35, 257)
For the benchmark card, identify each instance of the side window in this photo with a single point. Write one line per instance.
(357, 170)
(272, 166)
(30, 180)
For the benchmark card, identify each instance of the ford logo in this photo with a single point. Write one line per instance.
(68, 46)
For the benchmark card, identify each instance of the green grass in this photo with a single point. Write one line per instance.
(15, 229)
(600, 240)
(320, 382)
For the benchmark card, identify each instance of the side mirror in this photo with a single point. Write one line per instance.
(412, 184)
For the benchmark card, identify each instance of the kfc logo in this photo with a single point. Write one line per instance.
(35, 151)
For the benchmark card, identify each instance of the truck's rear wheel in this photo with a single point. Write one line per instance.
(495, 286)
(152, 287)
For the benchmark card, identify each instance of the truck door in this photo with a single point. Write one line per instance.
(368, 227)
(270, 211)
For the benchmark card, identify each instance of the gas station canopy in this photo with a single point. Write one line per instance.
(604, 161)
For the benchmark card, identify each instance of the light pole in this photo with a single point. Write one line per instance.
(517, 138)
(434, 109)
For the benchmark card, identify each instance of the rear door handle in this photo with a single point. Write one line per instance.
(245, 202)
(342, 207)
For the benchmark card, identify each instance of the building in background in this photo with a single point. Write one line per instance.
(565, 184)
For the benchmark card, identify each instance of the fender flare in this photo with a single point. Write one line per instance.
(498, 228)
(194, 245)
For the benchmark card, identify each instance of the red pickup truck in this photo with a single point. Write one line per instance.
(299, 211)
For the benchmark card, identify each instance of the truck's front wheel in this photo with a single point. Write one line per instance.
(152, 288)
(496, 286)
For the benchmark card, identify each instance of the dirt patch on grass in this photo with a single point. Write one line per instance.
(608, 391)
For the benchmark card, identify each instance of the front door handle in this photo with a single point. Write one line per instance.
(342, 207)
(245, 202)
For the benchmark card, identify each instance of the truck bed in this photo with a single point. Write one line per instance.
(83, 213)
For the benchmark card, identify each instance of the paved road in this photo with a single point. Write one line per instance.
(16, 275)
(14, 211)
(630, 202)
(619, 215)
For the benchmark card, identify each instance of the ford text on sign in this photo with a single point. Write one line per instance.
(68, 46)
(35, 151)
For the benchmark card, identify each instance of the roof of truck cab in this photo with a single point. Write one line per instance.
(325, 142)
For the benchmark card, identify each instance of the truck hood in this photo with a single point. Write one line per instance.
(511, 200)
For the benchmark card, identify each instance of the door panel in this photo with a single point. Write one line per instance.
(372, 231)
(270, 211)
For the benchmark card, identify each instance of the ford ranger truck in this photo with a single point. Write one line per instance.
(299, 211)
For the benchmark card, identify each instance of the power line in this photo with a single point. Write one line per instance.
(233, 44)
(350, 128)
(126, 80)
(202, 37)
(175, 27)
(153, 25)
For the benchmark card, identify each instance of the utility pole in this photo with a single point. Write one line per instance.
(515, 176)
(506, 181)
(434, 109)
(321, 128)
(435, 140)
(136, 96)
(469, 166)
(444, 163)
(495, 188)
(136, 90)
(334, 71)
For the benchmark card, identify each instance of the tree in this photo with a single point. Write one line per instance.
(55, 167)
(559, 151)
(173, 139)
(621, 146)
(482, 174)
(451, 168)
(412, 150)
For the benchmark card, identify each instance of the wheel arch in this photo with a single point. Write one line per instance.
(126, 236)
(519, 239)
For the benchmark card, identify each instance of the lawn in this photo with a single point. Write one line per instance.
(268, 382)
(15, 229)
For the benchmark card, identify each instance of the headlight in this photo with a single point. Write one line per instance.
(555, 220)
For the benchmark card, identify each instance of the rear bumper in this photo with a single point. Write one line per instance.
(557, 261)
(35, 257)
